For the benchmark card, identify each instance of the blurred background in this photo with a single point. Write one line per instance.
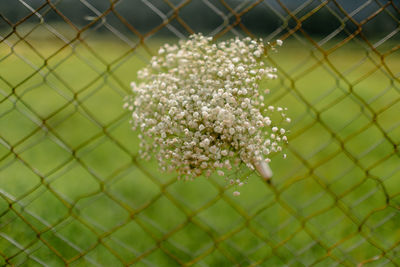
(73, 190)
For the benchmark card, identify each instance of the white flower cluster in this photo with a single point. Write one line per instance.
(200, 108)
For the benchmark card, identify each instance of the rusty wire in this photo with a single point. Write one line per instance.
(335, 202)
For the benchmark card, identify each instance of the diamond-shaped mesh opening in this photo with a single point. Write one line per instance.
(355, 250)
(64, 7)
(308, 199)
(38, 254)
(47, 206)
(360, 70)
(347, 181)
(307, 248)
(373, 92)
(194, 194)
(66, 250)
(131, 241)
(304, 119)
(232, 249)
(102, 254)
(376, 148)
(345, 117)
(334, 22)
(338, 56)
(332, 226)
(329, 172)
(221, 224)
(382, 223)
(365, 198)
(76, 235)
(9, 11)
(307, 147)
(27, 52)
(16, 235)
(122, 131)
(74, 183)
(15, 125)
(386, 117)
(134, 188)
(262, 19)
(299, 169)
(310, 91)
(88, 209)
(388, 97)
(44, 154)
(255, 193)
(162, 217)
(104, 104)
(389, 171)
(181, 244)
(216, 15)
(17, 179)
(383, 17)
(67, 76)
(126, 67)
(144, 16)
(115, 26)
(37, 37)
(252, 248)
(378, 152)
(16, 69)
(276, 223)
(152, 170)
(44, 108)
(104, 158)
(73, 127)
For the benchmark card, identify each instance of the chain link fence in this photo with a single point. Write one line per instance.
(74, 192)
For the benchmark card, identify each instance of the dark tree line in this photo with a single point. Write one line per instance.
(201, 17)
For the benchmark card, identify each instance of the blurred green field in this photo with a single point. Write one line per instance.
(72, 189)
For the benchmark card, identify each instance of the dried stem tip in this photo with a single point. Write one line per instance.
(263, 169)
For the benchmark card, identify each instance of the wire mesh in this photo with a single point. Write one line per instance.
(73, 190)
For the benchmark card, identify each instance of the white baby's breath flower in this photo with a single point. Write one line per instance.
(236, 193)
(200, 109)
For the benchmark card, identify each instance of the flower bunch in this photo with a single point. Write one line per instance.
(200, 109)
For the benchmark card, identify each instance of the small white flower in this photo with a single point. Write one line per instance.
(236, 193)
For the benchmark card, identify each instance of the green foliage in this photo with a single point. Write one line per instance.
(73, 191)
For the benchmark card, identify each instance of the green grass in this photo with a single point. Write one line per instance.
(72, 189)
